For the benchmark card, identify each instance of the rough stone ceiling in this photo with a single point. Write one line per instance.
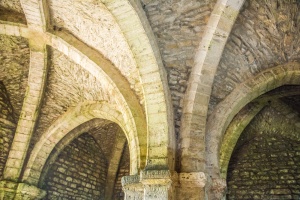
(266, 34)
(91, 22)
(14, 59)
(68, 84)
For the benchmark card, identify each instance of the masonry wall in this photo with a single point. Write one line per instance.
(124, 170)
(7, 126)
(79, 171)
(267, 167)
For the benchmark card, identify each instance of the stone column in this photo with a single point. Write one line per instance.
(157, 184)
(132, 187)
(11, 190)
(191, 186)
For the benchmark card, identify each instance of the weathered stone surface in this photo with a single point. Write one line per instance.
(14, 5)
(7, 126)
(265, 35)
(100, 32)
(14, 66)
(178, 26)
(65, 88)
(264, 163)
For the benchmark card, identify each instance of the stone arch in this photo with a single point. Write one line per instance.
(220, 119)
(134, 24)
(200, 83)
(71, 119)
(244, 117)
(74, 133)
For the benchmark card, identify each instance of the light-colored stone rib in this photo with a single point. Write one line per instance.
(29, 114)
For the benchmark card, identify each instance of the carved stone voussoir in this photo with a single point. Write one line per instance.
(193, 179)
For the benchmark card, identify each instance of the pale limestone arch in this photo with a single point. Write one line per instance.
(247, 91)
(196, 100)
(74, 117)
(66, 140)
(136, 29)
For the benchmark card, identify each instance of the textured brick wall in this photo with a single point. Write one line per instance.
(79, 171)
(265, 163)
(6, 128)
(267, 168)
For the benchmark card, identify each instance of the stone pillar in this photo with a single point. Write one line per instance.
(191, 186)
(11, 190)
(132, 187)
(158, 184)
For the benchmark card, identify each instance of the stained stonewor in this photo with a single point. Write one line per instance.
(14, 56)
(7, 126)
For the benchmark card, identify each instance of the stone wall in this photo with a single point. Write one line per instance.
(79, 171)
(7, 126)
(265, 163)
(124, 169)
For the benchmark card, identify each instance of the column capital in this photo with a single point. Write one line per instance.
(132, 183)
(192, 179)
(132, 187)
(12, 190)
(161, 177)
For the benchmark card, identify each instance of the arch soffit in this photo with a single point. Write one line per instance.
(201, 79)
(138, 33)
(225, 111)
